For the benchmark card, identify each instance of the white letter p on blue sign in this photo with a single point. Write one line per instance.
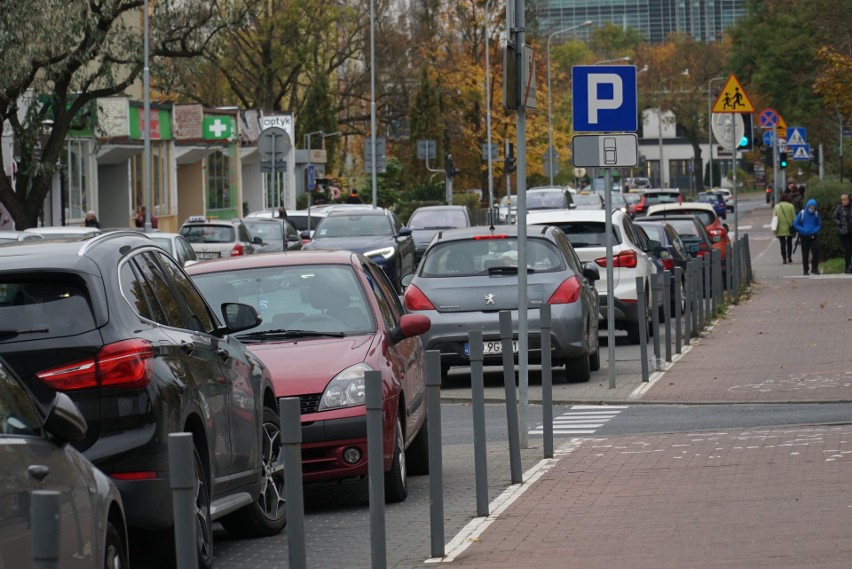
(605, 98)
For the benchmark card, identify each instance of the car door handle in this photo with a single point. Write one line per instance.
(38, 471)
(187, 347)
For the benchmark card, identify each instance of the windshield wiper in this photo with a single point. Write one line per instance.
(506, 270)
(6, 334)
(286, 333)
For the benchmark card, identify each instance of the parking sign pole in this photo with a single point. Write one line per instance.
(610, 280)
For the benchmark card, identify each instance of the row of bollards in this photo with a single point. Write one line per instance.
(695, 295)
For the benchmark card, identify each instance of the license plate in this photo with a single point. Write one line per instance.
(207, 255)
(491, 347)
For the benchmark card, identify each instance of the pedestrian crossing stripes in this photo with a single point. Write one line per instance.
(582, 419)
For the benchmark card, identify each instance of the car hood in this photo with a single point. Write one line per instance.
(357, 244)
(305, 366)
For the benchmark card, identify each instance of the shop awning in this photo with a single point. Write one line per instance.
(117, 153)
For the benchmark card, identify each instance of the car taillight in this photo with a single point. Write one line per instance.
(668, 263)
(717, 234)
(416, 300)
(626, 259)
(144, 475)
(568, 291)
(125, 364)
(237, 250)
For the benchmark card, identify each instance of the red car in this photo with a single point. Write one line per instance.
(328, 317)
(654, 197)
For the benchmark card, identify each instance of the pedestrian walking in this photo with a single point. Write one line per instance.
(91, 220)
(795, 197)
(786, 214)
(808, 225)
(353, 197)
(843, 221)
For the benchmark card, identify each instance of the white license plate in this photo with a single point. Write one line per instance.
(207, 255)
(496, 347)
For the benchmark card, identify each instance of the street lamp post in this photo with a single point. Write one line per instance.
(488, 110)
(709, 129)
(683, 73)
(550, 152)
(624, 59)
(146, 88)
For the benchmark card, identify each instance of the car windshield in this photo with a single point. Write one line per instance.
(300, 221)
(267, 231)
(354, 226)
(437, 219)
(709, 198)
(587, 233)
(652, 199)
(314, 298)
(50, 306)
(470, 257)
(546, 200)
(208, 233)
(654, 231)
(163, 242)
(686, 228)
(589, 200)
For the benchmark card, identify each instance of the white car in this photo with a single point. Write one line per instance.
(729, 197)
(507, 210)
(586, 230)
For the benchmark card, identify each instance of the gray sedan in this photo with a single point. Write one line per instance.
(469, 275)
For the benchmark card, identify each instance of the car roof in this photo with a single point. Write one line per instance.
(313, 257)
(442, 207)
(550, 216)
(61, 254)
(225, 222)
(686, 206)
(358, 211)
(462, 233)
(63, 230)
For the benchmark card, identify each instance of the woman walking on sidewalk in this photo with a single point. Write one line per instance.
(807, 225)
(843, 222)
(786, 213)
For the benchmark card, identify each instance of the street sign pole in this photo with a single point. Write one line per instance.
(734, 144)
(610, 280)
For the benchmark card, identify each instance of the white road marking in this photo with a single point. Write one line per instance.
(581, 419)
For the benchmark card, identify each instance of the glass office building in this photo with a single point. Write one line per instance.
(704, 20)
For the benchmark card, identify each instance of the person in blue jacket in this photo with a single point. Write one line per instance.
(808, 225)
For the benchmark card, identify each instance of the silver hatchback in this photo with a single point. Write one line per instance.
(469, 275)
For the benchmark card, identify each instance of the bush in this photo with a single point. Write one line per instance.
(827, 195)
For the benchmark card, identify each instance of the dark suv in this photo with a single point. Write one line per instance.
(116, 324)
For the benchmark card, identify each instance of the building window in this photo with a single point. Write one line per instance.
(77, 199)
(161, 180)
(219, 181)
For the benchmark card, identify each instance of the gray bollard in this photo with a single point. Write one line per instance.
(749, 273)
(690, 269)
(717, 276)
(655, 327)
(44, 520)
(182, 483)
(736, 280)
(546, 380)
(678, 301)
(643, 331)
(708, 291)
(477, 389)
(713, 282)
(699, 287)
(290, 422)
(511, 397)
(729, 271)
(375, 468)
(436, 459)
(667, 317)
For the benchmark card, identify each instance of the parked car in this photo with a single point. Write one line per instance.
(375, 233)
(300, 219)
(647, 198)
(672, 251)
(691, 231)
(276, 235)
(589, 201)
(706, 213)
(638, 183)
(586, 230)
(214, 238)
(507, 210)
(426, 221)
(729, 197)
(622, 201)
(328, 317)
(66, 232)
(115, 323)
(15, 236)
(36, 456)
(468, 276)
(717, 200)
(548, 197)
(177, 246)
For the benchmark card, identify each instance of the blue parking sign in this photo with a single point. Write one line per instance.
(605, 98)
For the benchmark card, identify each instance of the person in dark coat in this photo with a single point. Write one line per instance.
(843, 221)
(353, 197)
(92, 220)
(808, 225)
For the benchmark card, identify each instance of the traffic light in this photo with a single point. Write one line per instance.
(449, 169)
(510, 164)
(782, 160)
(768, 155)
(747, 140)
(815, 155)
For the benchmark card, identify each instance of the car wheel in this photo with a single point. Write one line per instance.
(578, 369)
(396, 479)
(595, 359)
(203, 525)
(116, 549)
(418, 452)
(268, 514)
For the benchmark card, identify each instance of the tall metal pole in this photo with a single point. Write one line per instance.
(488, 109)
(146, 88)
(373, 100)
(710, 129)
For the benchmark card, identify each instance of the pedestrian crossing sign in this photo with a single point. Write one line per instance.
(795, 136)
(802, 152)
(733, 98)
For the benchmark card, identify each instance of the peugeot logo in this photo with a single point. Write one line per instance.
(489, 298)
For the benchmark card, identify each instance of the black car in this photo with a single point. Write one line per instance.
(691, 231)
(428, 220)
(115, 323)
(375, 233)
(672, 251)
(273, 233)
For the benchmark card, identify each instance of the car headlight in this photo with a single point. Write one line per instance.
(386, 253)
(346, 389)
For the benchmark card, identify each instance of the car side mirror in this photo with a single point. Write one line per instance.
(404, 232)
(725, 225)
(406, 280)
(410, 325)
(591, 272)
(305, 235)
(653, 246)
(239, 317)
(65, 423)
(257, 241)
(291, 237)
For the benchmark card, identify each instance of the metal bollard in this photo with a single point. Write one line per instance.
(699, 287)
(714, 284)
(290, 423)
(375, 469)
(511, 397)
(643, 331)
(690, 269)
(436, 460)
(708, 291)
(749, 274)
(667, 317)
(729, 271)
(736, 282)
(477, 389)
(678, 300)
(182, 483)
(546, 380)
(655, 327)
(44, 520)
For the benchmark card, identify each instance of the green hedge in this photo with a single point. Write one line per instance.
(827, 192)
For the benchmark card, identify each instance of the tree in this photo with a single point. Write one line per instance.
(58, 57)
(320, 115)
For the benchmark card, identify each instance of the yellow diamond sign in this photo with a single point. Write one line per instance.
(733, 98)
